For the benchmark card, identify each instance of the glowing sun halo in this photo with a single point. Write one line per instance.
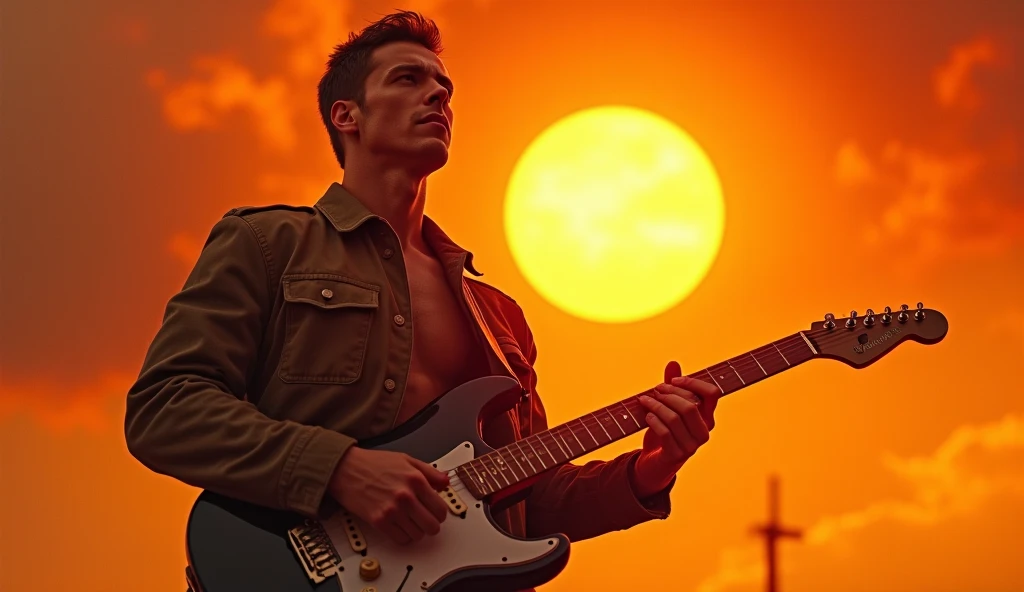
(614, 214)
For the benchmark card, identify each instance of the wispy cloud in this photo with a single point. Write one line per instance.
(309, 29)
(62, 409)
(954, 199)
(737, 566)
(220, 84)
(945, 483)
(953, 85)
(973, 465)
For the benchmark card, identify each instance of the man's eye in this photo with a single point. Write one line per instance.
(409, 76)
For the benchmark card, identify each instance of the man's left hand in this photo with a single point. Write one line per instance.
(680, 419)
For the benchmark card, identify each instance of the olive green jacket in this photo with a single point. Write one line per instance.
(291, 341)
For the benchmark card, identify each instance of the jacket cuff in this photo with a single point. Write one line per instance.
(629, 510)
(309, 469)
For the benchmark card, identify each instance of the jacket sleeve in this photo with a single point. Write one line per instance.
(187, 416)
(583, 501)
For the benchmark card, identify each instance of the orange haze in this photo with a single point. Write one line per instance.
(869, 154)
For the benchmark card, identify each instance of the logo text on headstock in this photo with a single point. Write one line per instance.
(877, 341)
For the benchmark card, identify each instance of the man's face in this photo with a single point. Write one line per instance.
(407, 87)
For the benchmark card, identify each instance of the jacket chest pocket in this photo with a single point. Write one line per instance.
(327, 325)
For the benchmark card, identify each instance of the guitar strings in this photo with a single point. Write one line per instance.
(791, 344)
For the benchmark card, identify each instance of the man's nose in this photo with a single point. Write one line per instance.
(439, 94)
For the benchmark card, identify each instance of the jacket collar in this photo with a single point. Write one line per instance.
(346, 213)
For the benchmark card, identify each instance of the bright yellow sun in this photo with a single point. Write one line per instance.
(614, 214)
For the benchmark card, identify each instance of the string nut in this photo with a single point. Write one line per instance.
(919, 314)
(852, 321)
(830, 321)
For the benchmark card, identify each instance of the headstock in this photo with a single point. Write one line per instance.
(861, 341)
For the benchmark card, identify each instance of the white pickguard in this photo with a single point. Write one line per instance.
(463, 542)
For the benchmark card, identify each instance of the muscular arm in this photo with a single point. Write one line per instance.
(187, 416)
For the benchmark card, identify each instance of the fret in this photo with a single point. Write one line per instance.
(751, 354)
(550, 456)
(588, 431)
(602, 427)
(630, 415)
(555, 433)
(494, 468)
(478, 476)
(743, 382)
(781, 354)
(552, 434)
(612, 415)
(535, 453)
(504, 466)
(583, 448)
(711, 376)
(525, 474)
(549, 433)
(495, 485)
(565, 441)
(526, 457)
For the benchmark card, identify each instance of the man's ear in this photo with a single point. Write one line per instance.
(344, 115)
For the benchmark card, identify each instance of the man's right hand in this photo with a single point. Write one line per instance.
(393, 492)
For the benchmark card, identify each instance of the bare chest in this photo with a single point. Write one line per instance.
(446, 351)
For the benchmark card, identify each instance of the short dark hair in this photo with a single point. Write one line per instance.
(350, 63)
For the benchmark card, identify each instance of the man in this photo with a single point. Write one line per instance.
(293, 336)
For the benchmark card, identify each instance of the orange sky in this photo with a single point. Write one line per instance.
(869, 155)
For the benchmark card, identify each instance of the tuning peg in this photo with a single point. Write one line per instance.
(852, 321)
(869, 318)
(903, 316)
(887, 316)
(830, 321)
(919, 315)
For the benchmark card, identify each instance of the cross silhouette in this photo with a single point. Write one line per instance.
(773, 531)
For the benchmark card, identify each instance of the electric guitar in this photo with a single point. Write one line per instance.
(235, 546)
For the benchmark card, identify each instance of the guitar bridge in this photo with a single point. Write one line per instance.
(316, 553)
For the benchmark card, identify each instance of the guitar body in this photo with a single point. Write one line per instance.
(236, 546)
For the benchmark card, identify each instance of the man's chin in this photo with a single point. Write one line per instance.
(433, 158)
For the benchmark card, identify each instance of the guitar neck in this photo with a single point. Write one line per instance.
(510, 466)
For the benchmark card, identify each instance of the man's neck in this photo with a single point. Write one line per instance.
(394, 195)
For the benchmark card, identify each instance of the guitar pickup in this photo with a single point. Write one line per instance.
(356, 540)
(455, 504)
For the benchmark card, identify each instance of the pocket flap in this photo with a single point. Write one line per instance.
(330, 291)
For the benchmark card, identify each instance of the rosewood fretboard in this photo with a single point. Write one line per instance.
(524, 459)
